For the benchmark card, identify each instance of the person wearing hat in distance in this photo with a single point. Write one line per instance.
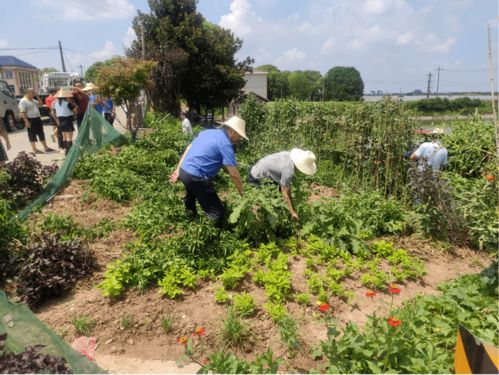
(431, 153)
(280, 168)
(211, 150)
(63, 110)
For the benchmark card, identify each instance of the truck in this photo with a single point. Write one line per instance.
(9, 110)
(57, 79)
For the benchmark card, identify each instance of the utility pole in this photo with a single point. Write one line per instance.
(142, 39)
(438, 77)
(81, 71)
(492, 93)
(429, 85)
(62, 57)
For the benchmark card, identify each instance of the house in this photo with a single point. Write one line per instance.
(18, 74)
(256, 82)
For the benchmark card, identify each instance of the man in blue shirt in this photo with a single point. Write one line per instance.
(202, 160)
(431, 154)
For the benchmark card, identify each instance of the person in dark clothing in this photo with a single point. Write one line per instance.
(81, 100)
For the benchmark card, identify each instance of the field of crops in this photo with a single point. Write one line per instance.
(383, 267)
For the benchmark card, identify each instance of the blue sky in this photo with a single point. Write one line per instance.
(393, 43)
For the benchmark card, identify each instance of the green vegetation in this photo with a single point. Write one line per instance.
(438, 106)
(83, 325)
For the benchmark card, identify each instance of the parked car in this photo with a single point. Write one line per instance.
(9, 110)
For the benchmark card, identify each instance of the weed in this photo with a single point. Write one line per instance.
(302, 299)
(126, 321)
(221, 296)
(167, 322)
(244, 304)
(83, 324)
(234, 331)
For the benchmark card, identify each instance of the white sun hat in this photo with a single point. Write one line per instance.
(238, 125)
(89, 87)
(64, 93)
(304, 161)
(438, 131)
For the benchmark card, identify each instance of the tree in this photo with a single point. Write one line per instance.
(343, 83)
(316, 81)
(299, 85)
(91, 72)
(277, 82)
(195, 59)
(122, 79)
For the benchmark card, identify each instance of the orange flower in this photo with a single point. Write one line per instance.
(371, 293)
(200, 331)
(205, 361)
(393, 289)
(182, 340)
(490, 178)
(324, 307)
(394, 322)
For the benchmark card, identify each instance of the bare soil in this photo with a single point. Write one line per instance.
(129, 333)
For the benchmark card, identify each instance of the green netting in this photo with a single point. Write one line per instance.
(94, 132)
(23, 329)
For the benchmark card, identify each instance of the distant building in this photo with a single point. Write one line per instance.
(256, 82)
(18, 74)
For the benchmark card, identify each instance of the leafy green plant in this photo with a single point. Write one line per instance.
(228, 363)
(83, 325)
(126, 321)
(302, 298)
(232, 277)
(288, 331)
(276, 311)
(244, 304)
(221, 296)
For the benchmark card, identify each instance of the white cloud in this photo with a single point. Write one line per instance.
(107, 52)
(241, 18)
(328, 44)
(432, 43)
(129, 37)
(405, 38)
(3, 43)
(294, 54)
(88, 10)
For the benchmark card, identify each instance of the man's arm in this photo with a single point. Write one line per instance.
(5, 136)
(286, 195)
(236, 178)
(26, 120)
(174, 175)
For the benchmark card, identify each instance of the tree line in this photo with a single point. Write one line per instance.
(340, 83)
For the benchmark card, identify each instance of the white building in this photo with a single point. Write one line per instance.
(256, 82)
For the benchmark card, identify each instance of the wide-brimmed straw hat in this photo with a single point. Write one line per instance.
(89, 87)
(64, 93)
(304, 161)
(238, 125)
(438, 131)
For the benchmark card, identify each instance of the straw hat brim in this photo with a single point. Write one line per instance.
(232, 124)
(300, 158)
(64, 94)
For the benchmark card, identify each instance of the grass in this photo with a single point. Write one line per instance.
(234, 331)
(167, 322)
(126, 321)
(83, 324)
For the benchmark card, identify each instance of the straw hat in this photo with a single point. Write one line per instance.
(304, 161)
(438, 131)
(64, 93)
(89, 87)
(238, 125)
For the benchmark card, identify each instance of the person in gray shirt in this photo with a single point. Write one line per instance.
(280, 168)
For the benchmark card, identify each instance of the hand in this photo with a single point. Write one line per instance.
(174, 176)
(294, 216)
(28, 125)
(8, 145)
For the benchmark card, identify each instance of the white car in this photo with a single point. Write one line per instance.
(9, 110)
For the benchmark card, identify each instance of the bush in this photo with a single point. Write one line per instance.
(52, 267)
(11, 230)
(26, 179)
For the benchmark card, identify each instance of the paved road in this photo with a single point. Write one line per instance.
(19, 141)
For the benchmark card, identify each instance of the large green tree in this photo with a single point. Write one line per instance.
(195, 59)
(316, 81)
(343, 83)
(277, 82)
(299, 85)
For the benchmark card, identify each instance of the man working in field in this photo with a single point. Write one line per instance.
(431, 154)
(280, 168)
(202, 160)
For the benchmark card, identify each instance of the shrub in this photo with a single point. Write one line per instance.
(11, 230)
(26, 179)
(244, 304)
(52, 267)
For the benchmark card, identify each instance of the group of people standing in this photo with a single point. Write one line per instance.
(65, 105)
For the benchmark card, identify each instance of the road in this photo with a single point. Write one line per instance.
(19, 141)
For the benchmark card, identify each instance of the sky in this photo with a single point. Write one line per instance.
(394, 44)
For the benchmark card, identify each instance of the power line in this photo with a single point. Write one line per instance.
(27, 49)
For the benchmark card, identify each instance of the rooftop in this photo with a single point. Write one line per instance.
(14, 61)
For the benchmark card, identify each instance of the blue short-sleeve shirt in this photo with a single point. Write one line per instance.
(210, 151)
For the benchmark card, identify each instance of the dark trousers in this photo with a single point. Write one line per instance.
(79, 119)
(204, 192)
(36, 130)
(109, 118)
